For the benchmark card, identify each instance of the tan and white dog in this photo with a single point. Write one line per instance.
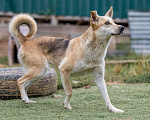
(79, 56)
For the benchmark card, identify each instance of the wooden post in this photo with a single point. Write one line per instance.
(12, 43)
(54, 20)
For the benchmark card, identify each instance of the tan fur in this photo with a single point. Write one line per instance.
(79, 56)
(17, 21)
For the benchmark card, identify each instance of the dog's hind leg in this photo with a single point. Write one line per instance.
(30, 82)
(99, 79)
(65, 78)
(36, 65)
(33, 75)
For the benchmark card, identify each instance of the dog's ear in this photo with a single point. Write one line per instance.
(94, 18)
(110, 12)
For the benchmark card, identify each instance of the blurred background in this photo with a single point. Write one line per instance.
(128, 54)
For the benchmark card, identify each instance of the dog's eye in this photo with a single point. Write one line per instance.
(107, 23)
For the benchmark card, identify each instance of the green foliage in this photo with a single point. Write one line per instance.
(128, 73)
(144, 78)
(87, 104)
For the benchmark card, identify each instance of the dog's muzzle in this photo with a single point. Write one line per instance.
(121, 28)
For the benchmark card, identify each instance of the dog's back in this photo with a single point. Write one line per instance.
(52, 47)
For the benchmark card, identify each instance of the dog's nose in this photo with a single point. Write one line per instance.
(121, 28)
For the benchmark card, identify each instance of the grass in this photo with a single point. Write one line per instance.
(4, 60)
(128, 73)
(77, 82)
(87, 104)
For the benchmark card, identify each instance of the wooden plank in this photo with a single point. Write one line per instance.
(61, 26)
(140, 36)
(140, 27)
(4, 33)
(141, 42)
(73, 18)
(139, 24)
(138, 13)
(3, 27)
(143, 32)
(144, 52)
(7, 14)
(120, 21)
(139, 19)
(137, 46)
(3, 53)
(51, 33)
(125, 61)
(139, 51)
(66, 36)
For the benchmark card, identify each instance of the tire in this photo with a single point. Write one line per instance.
(9, 88)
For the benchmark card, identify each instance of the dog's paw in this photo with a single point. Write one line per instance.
(31, 101)
(67, 106)
(115, 110)
(28, 101)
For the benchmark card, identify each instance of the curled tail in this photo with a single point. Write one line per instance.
(17, 21)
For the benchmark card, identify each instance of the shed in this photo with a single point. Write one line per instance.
(139, 24)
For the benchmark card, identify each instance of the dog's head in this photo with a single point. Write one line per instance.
(104, 26)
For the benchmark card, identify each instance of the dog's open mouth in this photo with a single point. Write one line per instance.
(117, 33)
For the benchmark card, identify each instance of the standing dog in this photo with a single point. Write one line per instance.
(79, 56)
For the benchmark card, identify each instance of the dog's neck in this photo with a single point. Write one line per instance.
(91, 39)
(95, 47)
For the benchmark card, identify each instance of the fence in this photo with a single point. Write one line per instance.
(73, 7)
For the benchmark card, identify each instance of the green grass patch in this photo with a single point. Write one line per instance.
(4, 60)
(128, 73)
(87, 104)
(129, 56)
(77, 82)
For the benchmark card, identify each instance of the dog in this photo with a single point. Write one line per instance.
(79, 56)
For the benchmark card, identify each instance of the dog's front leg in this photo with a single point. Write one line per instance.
(65, 78)
(100, 82)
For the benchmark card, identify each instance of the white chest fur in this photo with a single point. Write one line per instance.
(91, 58)
(81, 68)
(96, 54)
